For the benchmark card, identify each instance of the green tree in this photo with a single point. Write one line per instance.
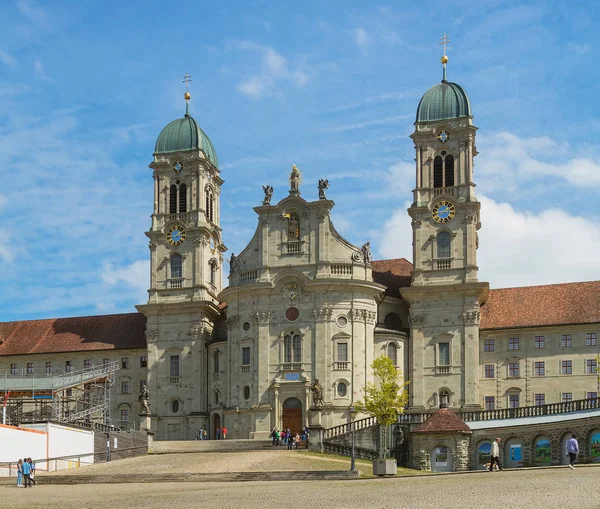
(386, 398)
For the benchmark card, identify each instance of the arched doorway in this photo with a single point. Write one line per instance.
(216, 425)
(292, 415)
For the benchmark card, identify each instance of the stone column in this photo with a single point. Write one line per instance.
(276, 405)
(419, 168)
(153, 264)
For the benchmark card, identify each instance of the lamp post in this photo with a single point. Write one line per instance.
(352, 411)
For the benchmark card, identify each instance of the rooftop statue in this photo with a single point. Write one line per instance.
(323, 184)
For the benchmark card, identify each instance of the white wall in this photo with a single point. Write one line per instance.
(19, 443)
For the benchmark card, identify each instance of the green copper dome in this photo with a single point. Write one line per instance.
(443, 101)
(185, 134)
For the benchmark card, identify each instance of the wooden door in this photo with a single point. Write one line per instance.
(292, 415)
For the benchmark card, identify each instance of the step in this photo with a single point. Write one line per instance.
(199, 446)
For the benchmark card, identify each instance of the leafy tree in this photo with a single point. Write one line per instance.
(387, 397)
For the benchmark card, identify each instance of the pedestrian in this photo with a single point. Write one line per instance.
(495, 455)
(297, 440)
(26, 473)
(277, 437)
(572, 450)
(204, 434)
(273, 435)
(218, 433)
(224, 432)
(290, 442)
(31, 474)
(20, 473)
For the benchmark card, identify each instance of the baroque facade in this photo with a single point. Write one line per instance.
(305, 305)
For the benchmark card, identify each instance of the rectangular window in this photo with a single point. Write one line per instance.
(590, 339)
(567, 397)
(565, 340)
(567, 367)
(245, 355)
(513, 343)
(13, 369)
(125, 362)
(30, 368)
(490, 403)
(48, 368)
(87, 364)
(144, 361)
(513, 401)
(342, 352)
(174, 366)
(513, 369)
(124, 387)
(540, 399)
(68, 366)
(539, 368)
(489, 371)
(488, 345)
(105, 362)
(592, 395)
(540, 342)
(591, 366)
(444, 350)
(124, 415)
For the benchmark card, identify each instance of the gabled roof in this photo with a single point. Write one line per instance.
(444, 420)
(107, 332)
(529, 306)
(394, 273)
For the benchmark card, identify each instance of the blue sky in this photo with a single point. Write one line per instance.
(85, 88)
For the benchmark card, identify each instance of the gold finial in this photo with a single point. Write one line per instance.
(445, 39)
(187, 96)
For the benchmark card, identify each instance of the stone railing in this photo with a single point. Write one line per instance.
(293, 247)
(449, 191)
(173, 379)
(346, 450)
(343, 429)
(248, 276)
(341, 365)
(443, 370)
(443, 263)
(176, 282)
(341, 269)
(291, 366)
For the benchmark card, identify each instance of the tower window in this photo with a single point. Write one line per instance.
(438, 174)
(210, 200)
(182, 198)
(443, 244)
(392, 353)
(443, 170)
(449, 171)
(176, 266)
(177, 198)
(292, 348)
(173, 199)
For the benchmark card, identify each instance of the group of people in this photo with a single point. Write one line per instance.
(25, 473)
(572, 452)
(286, 437)
(220, 434)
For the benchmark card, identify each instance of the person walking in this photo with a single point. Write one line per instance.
(572, 450)
(20, 473)
(31, 474)
(495, 455)
(224, 432)
(218, 434)
(26, 472)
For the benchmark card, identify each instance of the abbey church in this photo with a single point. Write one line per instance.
(304, 306)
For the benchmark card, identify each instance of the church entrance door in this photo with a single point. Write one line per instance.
(216, 425)
(292, 415)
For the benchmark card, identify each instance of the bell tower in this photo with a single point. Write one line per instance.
(445, 294)
(186, 259)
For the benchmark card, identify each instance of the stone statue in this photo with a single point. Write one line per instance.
(268, 193)
(323, 184)
(144, 399)
(293, 228)
(295, 180)
(231, 260)
(366, 251)
(317, 393)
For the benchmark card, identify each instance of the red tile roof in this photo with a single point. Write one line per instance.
(444, 420)
(528, 306)
(107, 332)
(394, 274)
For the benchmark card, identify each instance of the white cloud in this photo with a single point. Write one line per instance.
(361, 39)
(39, 70)
(517, 248)
(31, 10)
(274, 69)
(135, 276)
(7, 59)
(369, 123)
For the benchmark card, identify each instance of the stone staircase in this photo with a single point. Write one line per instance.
(200, 446)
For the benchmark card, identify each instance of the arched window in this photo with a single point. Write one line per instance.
(216, 397)
(392, 353)
(216, 362)
(173, 199)
(438, 173)
(292, 348)
(449, 171)
(443, 245)
(176, 266)
(392, 321)
(342, 390)
(246, 392)
(175, 406)
(182, 198)
(210, 200)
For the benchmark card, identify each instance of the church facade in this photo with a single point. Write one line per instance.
(304, 306)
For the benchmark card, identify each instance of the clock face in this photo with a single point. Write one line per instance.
(443, 211)
(178, 166)
(443, 136)
(292, 314)
(176, 235)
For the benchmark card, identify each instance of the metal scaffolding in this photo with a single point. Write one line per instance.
(79, 397)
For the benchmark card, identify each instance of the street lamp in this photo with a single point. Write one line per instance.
(352, 411)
